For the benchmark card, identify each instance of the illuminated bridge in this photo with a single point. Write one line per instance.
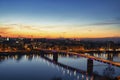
(83, 55)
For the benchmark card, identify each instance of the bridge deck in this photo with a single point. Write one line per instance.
(71, 68)
(88, 56)
(98, 59)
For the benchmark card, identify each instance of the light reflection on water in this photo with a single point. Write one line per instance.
(109, 56)
(53, 67)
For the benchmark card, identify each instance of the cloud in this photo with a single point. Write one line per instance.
(117, 19)
(18, 27)
(105, 23)
(30, 28)
(5, 30)
(89, 30)
(112, 21)
(1, 32)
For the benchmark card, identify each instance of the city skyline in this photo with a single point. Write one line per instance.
(60, 18)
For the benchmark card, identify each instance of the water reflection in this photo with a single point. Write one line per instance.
(109, 56)
(30, 57)
(66, 70)
(109, 71)
(18, 57)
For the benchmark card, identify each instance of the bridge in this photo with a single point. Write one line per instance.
(87, 73)
(83, 55)
(64, 52)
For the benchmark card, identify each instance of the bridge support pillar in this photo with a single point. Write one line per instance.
(55, 57)
(89, 66)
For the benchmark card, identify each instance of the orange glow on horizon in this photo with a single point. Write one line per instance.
(16, 30)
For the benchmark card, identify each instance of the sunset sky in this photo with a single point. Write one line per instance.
(60, 18)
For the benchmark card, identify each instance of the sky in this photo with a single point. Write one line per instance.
(60, 18)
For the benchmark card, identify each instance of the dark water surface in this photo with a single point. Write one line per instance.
(54, 67)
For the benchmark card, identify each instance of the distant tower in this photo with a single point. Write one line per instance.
(110, 45)
(0, 38)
